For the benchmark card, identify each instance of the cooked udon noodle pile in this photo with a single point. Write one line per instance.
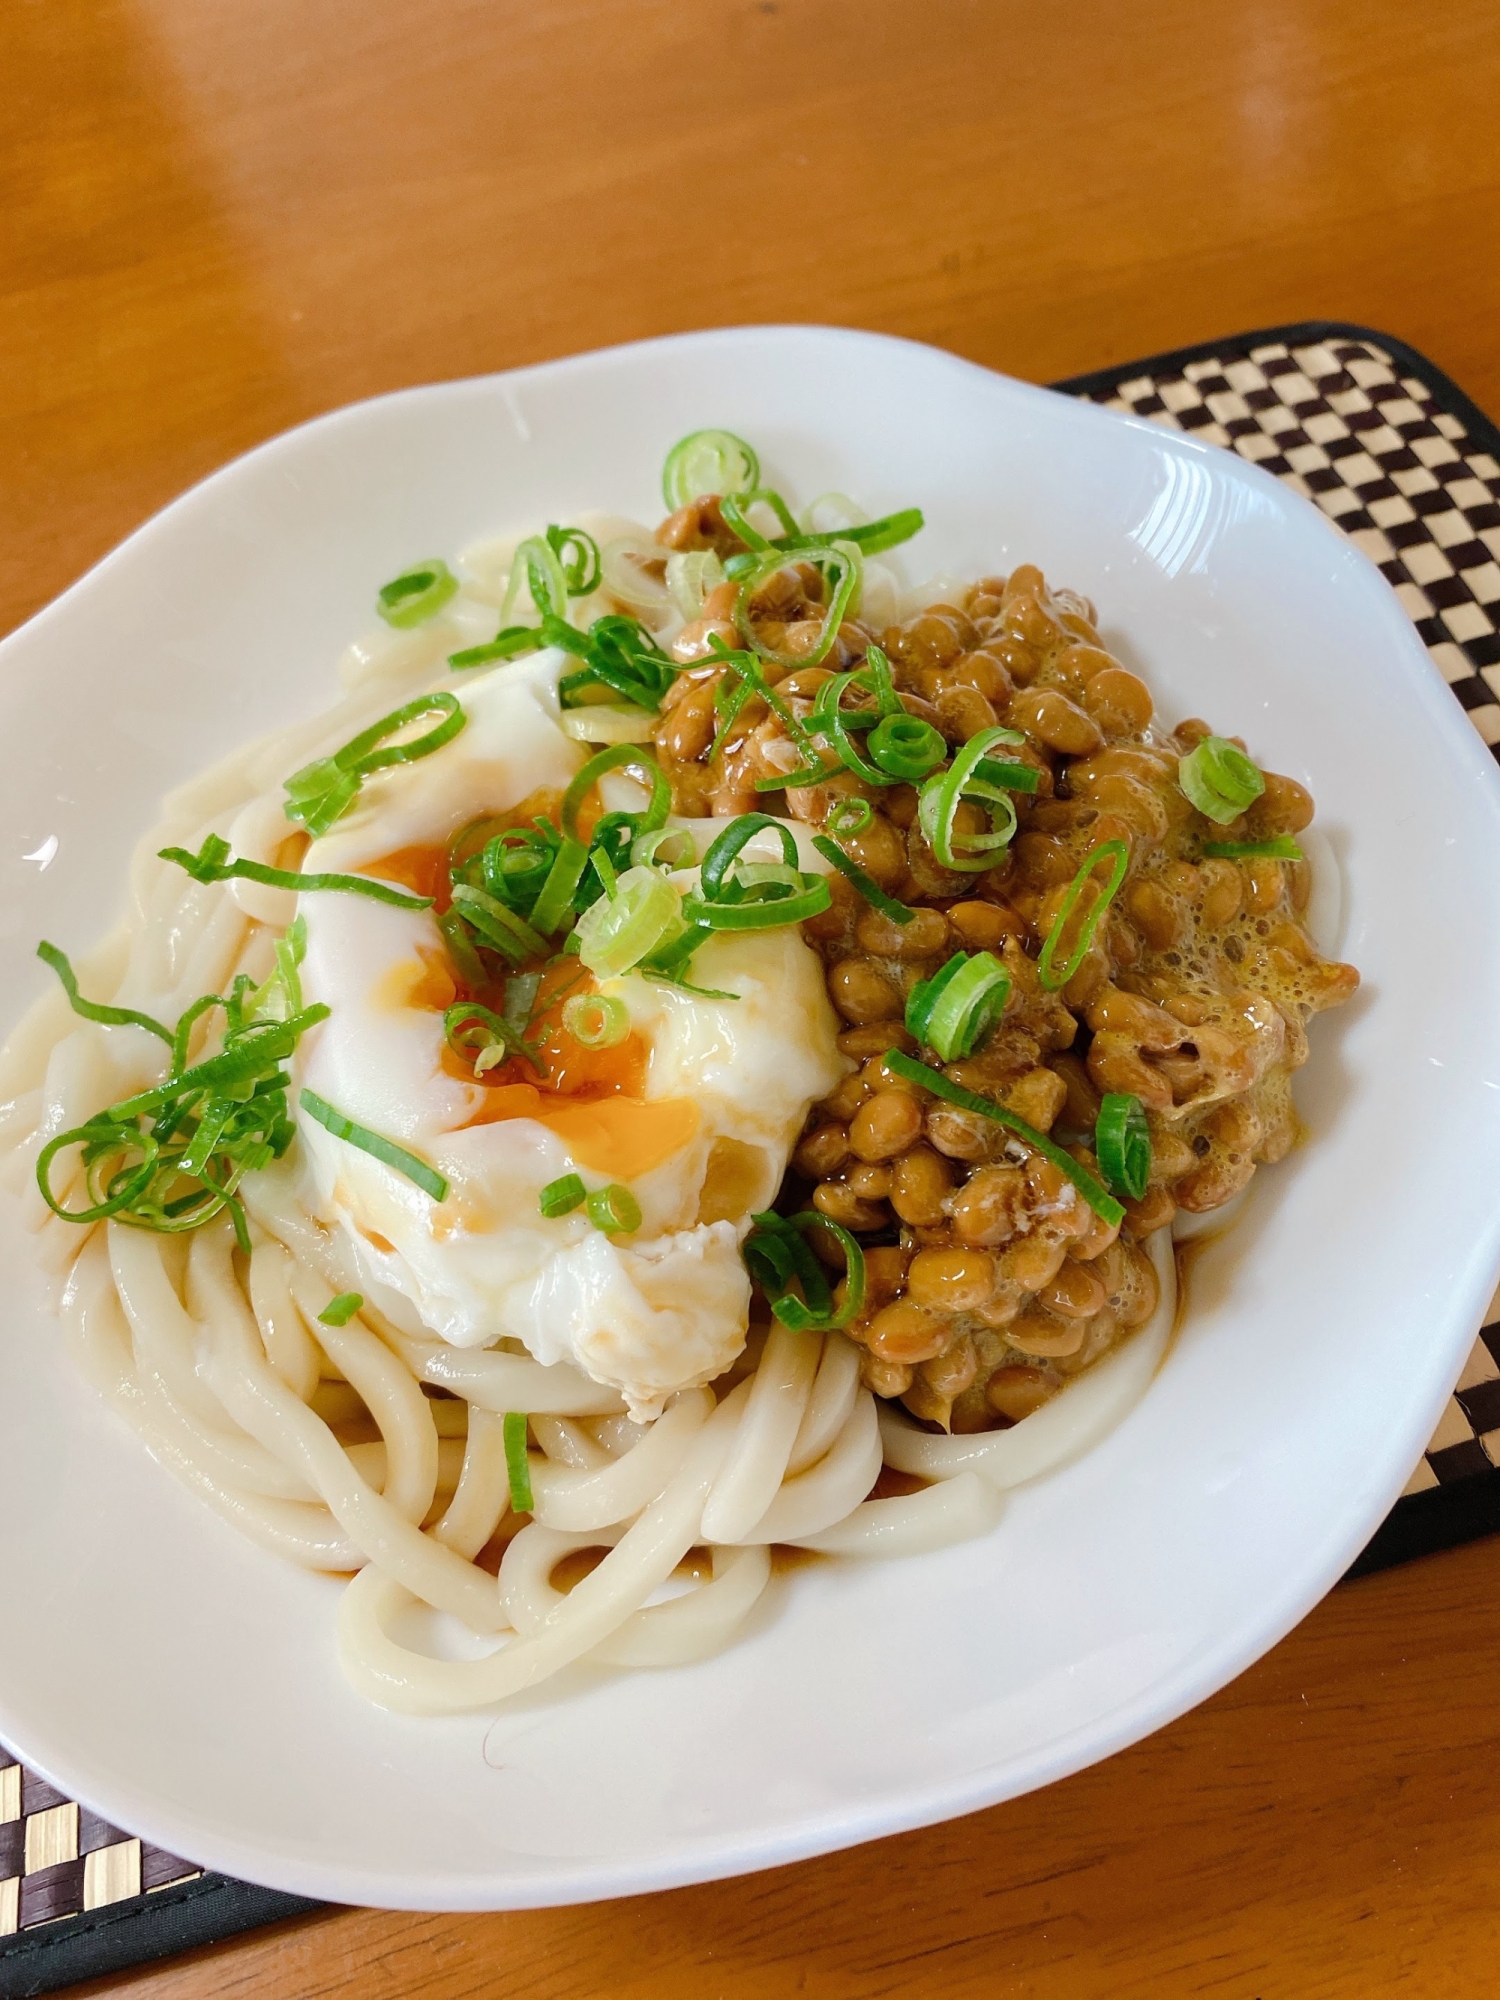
(538, 1180)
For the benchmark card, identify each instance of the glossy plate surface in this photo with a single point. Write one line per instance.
(185, 1684)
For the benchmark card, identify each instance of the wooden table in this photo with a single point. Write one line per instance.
(217, 221)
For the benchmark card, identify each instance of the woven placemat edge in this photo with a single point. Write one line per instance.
(162, 1924)
(1297, 333)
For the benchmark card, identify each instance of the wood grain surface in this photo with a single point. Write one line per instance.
(216, 221)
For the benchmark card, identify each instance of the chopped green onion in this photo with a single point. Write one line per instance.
(619, 657)
(722, 854)
(955, 1009)
(616, 933)
(1122, 1144)
(1098, 1197)
(102, 1138)
(830, 716)
(734, 896)
(1281, 847)
(942, 795)
(561, 1197)
(596, 1022)
(339, 1311)
(417, 594)
(849, 816)
(779, 1260)
(107, 1017)
(614, 1209)
(761, 913)
(556, 898)
(537, 563)
(473, 1030)
(1051, 976)
(906, 747)
(210, 1124)
(627, 756)
(506, 644)
(661, 978)
(497, 925)
(242, 1060)
(466, 960)
(582, 564)
(651, 847)
(517, 1464)
(211, 864)
(708, 462)
(733, 506)
(871, 890)
(746, 668)
(604, 868)
(844, 559)
(1219, 779)
(385, 1150)
(870, 538)
(1014, 776)
(323, 791)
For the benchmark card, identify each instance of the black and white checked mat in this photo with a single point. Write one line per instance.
(1409, 468)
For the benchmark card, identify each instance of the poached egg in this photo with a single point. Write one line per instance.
(696, 1113)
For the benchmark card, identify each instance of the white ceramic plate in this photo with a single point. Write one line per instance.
(184, 1682)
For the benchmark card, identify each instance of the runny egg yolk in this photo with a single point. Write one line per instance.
(590, 1097)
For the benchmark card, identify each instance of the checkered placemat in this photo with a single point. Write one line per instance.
(1409, 468)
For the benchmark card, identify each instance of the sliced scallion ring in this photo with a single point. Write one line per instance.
(91, 1010)
(614, 1209)
(954, 1010)
(212, 864)
(620, 756)
(562, 1196)
(596, 1020)
(617, 932)
(1280, 847)
(725, 850)
(1050, 975)
(321, 792)
(867, 886)
(780, 1261)
(554, 904)
(517, 1464)
(835, 721)
(339, 1311)
(906, 747)
(1219, 779)
(418, 594)
(708, 462)
(427, 1178)
(578, 553)
(506, 644)
(488, 1037)
(1122, 1145)
(536, 564)
(651, 848)
(847, 565)
(848, 817)
(733, 507)
(944, 793)
(1094, 1192)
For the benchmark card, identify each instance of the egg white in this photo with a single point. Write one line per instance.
(651, 1314)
